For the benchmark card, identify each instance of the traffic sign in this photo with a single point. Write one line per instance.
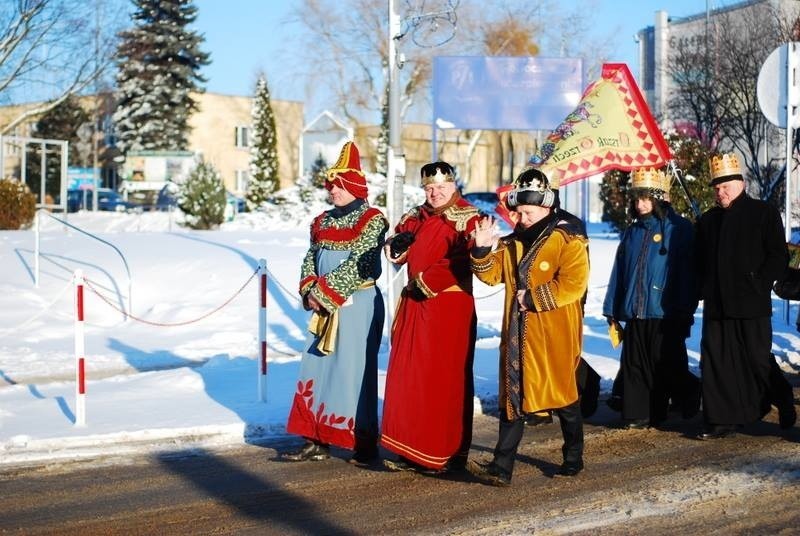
(778, 86)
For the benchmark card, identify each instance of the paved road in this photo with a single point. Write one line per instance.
(642, 481)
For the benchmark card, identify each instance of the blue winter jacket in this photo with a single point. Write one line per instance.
(653, 274)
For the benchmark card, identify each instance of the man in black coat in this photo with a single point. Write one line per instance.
(740, 252)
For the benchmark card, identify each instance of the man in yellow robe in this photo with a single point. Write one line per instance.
(544, 265)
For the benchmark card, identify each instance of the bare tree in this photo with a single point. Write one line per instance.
(514, 28)
(346, 51)
(345, 46)
(716, 76)
(55, 47)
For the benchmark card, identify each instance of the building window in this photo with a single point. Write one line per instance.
(242, 178)
(242, 136)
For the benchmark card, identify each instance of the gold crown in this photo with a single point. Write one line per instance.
(437, 178)
(650, 178)
(724, 166)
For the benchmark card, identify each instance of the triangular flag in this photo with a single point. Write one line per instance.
(611, 128)
(502, 210)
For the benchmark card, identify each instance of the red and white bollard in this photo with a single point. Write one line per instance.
(262, 330)
(80, 359)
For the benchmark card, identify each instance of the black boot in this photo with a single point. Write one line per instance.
(364, 456)
(490, 473)
(572, 430)
(787, 417)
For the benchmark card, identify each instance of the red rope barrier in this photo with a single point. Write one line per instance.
(170, 324)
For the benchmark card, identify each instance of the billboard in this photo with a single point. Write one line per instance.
(505, 93)
(80, 178)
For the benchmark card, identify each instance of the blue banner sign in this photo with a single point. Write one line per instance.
(505, 93)
(81, 178)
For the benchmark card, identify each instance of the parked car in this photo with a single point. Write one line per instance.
(167, 197)
(107, 199)
(239, 202)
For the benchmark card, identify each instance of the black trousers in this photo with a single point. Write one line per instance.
(654, 369)
(511, 432)
(736, 369)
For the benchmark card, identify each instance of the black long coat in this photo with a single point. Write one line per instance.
(740, 251)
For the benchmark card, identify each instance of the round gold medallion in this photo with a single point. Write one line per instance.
(544, 266)
(657, 238)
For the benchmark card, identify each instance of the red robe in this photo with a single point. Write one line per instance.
(428, 402)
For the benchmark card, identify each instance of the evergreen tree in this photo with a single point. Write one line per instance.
(614, 196)
(691, 156)
(382, 150)
(319, 171)
(159, 63)
(202, 197)
(311, 185)
(60, 123)
(64, 122)
(264, 179)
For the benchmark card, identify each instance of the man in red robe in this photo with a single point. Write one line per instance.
(428, 403)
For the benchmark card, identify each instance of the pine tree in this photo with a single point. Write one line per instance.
(319, 171)
(264, 179)
(60, 123)
(382, 150)
(159, 63)
(64, 123)
(312, 183)
(202, 197)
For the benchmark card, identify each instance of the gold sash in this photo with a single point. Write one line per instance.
(325, 326)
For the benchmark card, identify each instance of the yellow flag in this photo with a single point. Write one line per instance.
(611, 128)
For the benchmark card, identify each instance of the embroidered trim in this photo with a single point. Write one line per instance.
(423, 287)
(306, 283)
(483, 264)
(406, 449)
(331, 299)
(460, 216)
(544, 298)
(413, 213)
(339, 233)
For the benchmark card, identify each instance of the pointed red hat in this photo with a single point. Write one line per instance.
(347, 174)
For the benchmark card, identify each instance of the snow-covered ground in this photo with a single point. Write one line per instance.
(173, 374)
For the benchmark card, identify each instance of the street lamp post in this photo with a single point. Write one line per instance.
(395, 172)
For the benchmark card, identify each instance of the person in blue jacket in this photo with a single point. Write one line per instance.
(652, 291)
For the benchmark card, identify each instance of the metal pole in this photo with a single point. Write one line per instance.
(36, 249)
(678, 175)
(23, 163)
(792, 90)
(792, 60)
(395, 161)
(80, 359)
(63, 181)
(262, 330)
(43, 174)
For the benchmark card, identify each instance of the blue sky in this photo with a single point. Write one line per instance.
(247, 36)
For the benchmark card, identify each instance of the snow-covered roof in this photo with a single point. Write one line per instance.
(326, 122)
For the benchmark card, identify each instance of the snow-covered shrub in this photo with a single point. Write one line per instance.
(202, 197)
